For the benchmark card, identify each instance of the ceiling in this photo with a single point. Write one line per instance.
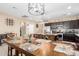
(52, 10)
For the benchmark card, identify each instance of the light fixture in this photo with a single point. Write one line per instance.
(69, 7)
(36, 9)
(68, 11)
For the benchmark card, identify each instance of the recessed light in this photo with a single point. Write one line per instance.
(14, 7)
(24, 16)
(69, 7)
(67, 13)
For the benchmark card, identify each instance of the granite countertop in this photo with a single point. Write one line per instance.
(65, 47)
(50, 33)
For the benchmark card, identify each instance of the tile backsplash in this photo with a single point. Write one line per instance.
(66, 30)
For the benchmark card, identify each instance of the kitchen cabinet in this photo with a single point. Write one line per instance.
(66, 25)
(73, 24)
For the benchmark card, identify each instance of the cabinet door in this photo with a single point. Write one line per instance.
(67, 25)
(74, 24)
(71, 25)
(77, 24)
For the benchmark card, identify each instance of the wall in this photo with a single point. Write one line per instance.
(27, 23)
(17, 24)
(64, 18)
(40, 29)
(7, 29)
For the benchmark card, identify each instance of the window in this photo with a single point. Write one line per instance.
(9, 22)
(30, 28)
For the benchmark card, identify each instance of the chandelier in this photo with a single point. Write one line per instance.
(36, 9)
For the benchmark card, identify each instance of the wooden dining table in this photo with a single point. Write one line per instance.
(21, 51)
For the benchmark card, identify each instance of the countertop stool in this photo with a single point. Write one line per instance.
(10, 52)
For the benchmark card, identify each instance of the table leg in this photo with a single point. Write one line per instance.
(8, 50)
(11, 51)
(16, 52)
(0, 42)
(21, 53)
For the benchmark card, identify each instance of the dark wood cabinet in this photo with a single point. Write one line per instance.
(69, 37)
(66, 25)
(73, 24)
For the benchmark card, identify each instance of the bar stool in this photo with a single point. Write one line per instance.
(10, 51)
